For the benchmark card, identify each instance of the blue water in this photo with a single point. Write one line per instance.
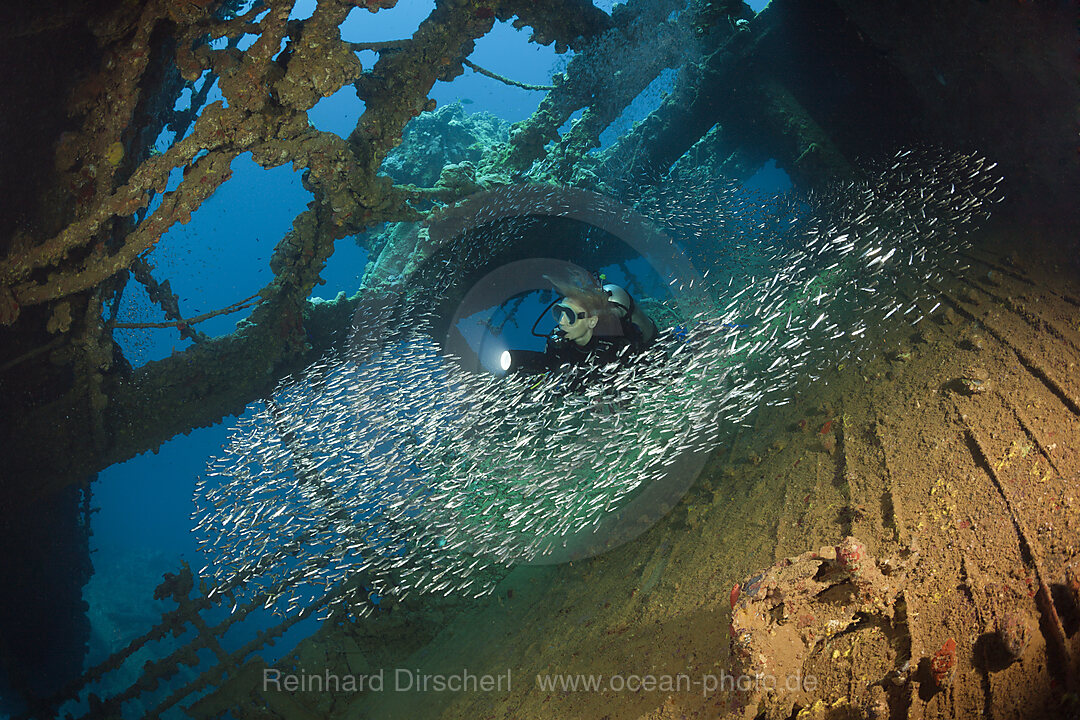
(143, 527)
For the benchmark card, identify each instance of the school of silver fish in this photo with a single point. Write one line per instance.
(394, 471)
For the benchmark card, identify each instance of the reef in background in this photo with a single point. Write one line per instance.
(435, 141)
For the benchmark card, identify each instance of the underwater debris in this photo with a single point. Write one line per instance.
(974, 381)
(789, 612)
(1014, 634)
(943, 664)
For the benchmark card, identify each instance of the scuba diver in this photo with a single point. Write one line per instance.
(623, 305)
(597, 325)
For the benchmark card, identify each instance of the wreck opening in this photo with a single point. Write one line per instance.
(233, 227)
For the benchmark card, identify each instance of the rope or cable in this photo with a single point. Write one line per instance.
(243, 304)
(500, 78)
(400, 45)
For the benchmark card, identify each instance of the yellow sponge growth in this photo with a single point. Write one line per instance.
(115, 153)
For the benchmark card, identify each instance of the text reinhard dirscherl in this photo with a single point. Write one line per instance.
(409, 680)
(400, 680)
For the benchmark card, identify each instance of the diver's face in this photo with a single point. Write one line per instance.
(575, 324)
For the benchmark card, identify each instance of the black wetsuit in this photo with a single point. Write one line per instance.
(601, 350)
(579, 366)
